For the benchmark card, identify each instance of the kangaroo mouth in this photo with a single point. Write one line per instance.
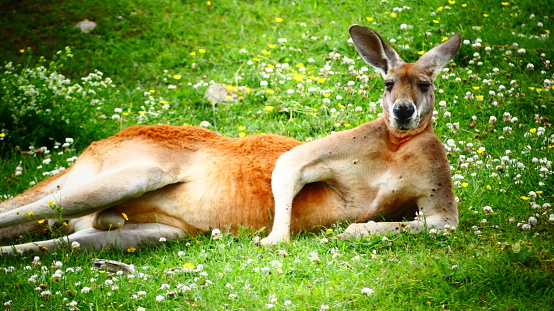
(405, 124)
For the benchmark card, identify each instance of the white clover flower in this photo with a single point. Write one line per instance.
(216, 234)
(526, 226)
(487, 209)
(368, 291)
(160, 298)
(165, 286)
(551, 217)
(532, 220)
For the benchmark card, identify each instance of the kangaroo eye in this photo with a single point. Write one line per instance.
(389, 85)
(424, 86)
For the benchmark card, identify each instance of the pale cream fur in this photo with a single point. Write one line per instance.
(177, 181)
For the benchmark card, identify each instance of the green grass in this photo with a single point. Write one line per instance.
(498, 260)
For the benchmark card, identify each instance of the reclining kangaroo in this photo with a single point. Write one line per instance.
(156, 181)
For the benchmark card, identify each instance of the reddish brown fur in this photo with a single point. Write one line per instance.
(164, 178)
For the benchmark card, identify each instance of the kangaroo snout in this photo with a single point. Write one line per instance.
(404, 115)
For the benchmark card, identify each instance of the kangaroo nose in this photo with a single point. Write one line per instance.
(403, 111)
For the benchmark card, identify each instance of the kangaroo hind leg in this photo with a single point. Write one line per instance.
(93, 193)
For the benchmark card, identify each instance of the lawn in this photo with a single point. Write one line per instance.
(290, 69)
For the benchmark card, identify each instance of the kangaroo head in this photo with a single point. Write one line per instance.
(408, 99)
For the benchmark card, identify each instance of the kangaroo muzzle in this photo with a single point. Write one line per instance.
(404, 115)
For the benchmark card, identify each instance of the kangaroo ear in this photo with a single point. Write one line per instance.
(434, 60)
(373, 49)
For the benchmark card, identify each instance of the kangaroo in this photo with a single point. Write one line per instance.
(148, 182)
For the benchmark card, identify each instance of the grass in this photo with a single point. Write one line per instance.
(494, 108)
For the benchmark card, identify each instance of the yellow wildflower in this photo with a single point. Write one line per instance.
(202, 51)
(242, 128)
(299, 65)
(131, 249)
(40, 221)
(188, 266)
(465, 185)
(489, 187)
(22, 51)
(369, 19)
(533, 130)
(177, 77)
(270, 91)
(321, 80)
(421, 52)
(486, 15)
(524, 198)
(278, 19)
(297, 76)
(393, 15)
(464, 5)
(50, 202)
(193, 53)
(265, 52)
(505, 3)
(271, 46)
(242, 134)
(269, 108)
(451, 1)
(124, 216)
(31, 213)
